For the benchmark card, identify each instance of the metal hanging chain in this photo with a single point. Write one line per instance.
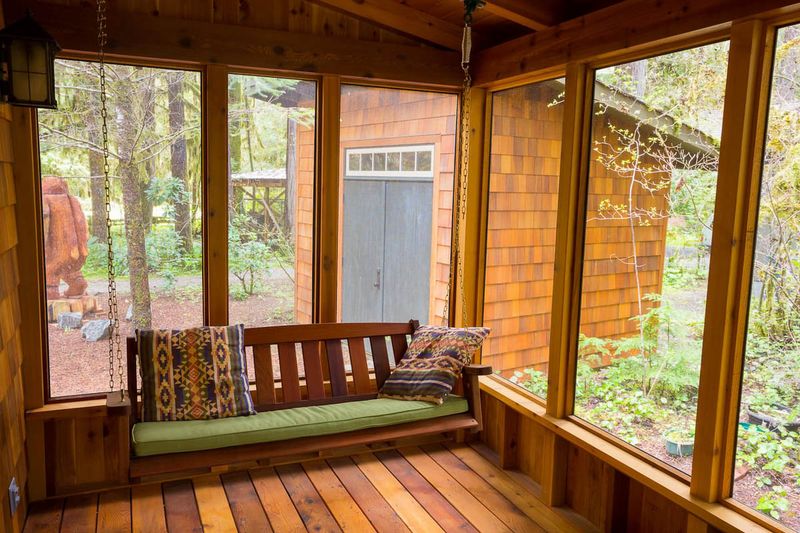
(457, 273)
(114, 345)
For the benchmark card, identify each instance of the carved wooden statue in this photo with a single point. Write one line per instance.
(65, 239)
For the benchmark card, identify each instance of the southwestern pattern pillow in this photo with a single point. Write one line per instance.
(432, 363)
(193, 374)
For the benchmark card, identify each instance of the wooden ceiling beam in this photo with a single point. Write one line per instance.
(143, 37)
(401, 18)
(630, 26)
(534, 14)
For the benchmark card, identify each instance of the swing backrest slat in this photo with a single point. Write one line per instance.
(333, 364)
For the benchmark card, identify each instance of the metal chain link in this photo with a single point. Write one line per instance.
(114, 345)
(463, 173)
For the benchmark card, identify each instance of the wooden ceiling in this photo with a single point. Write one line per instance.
(440, 22)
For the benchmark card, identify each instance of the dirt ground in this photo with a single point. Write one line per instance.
(81, 367)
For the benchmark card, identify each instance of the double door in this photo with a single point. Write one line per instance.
(386, 249)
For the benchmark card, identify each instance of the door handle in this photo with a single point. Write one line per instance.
(377, 283)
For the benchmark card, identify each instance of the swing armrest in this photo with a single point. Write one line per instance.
(472, 390)
(118, 405)
(477, 370)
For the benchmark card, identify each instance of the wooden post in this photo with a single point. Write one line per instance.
(735, 218)
(215, 196)
(30, 255)
(473, 219)
(571, 225)
(326, 203)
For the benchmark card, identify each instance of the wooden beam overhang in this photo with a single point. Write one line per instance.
(401, 18)
(155, 38)
(534, 15)
(628, 26)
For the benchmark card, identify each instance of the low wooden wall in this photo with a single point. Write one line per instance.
(574, 470)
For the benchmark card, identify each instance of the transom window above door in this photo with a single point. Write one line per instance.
(390, 161)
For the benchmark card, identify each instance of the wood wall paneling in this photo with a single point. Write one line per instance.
(13, 462)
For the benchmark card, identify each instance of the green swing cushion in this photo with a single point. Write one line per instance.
(155, 438)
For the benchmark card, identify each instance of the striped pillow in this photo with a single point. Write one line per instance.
(432, 363)
(193, 374)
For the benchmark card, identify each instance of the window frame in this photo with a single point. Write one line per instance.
(711, 480)
(42, 324)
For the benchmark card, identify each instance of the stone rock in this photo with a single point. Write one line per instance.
(129, 313)
(70, 320)
(96, 330)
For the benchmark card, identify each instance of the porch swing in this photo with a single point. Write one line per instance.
(312, 411)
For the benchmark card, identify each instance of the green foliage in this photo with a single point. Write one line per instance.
(776, 455)
(247, 256)
(531, 379)
(96, 265)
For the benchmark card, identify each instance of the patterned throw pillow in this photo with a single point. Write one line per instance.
(193, 374)
(432, 363)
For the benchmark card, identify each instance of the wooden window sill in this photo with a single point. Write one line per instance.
(75, 409)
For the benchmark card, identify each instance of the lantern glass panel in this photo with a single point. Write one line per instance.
(19, 55)
(20, 87)
(38, 87)
(37, 57)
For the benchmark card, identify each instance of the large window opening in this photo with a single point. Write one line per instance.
(652, 183)
(767, 471)
(523, 203)
(271, 142)
(156, 213)
(398, 154)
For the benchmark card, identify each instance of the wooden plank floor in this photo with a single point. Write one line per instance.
(448, 487)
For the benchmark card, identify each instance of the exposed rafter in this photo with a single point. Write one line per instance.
(534, 14)
(401, 18)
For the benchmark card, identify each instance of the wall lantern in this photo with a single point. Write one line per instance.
(28, 54)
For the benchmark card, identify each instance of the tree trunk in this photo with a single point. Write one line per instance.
(134, 214)
(183, 214)
(291, 178)
(148, 95)
(96, 185)
(236, 100)
(638, 71)
(98, 191)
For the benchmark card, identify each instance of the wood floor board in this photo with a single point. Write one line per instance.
(309, 503)
(80, 514)
(147, 509)
(498, 504)
(430, 488)
(282, 514)
(245, 504)
(426, 494)
(341, 504)
(472, 508)
(212, 503)
(380, 509)
(44, 516)
(114, 511)
(181, 507)
(518, 494)
(410, 511)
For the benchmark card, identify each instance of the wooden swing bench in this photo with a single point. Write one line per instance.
(290, 407)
